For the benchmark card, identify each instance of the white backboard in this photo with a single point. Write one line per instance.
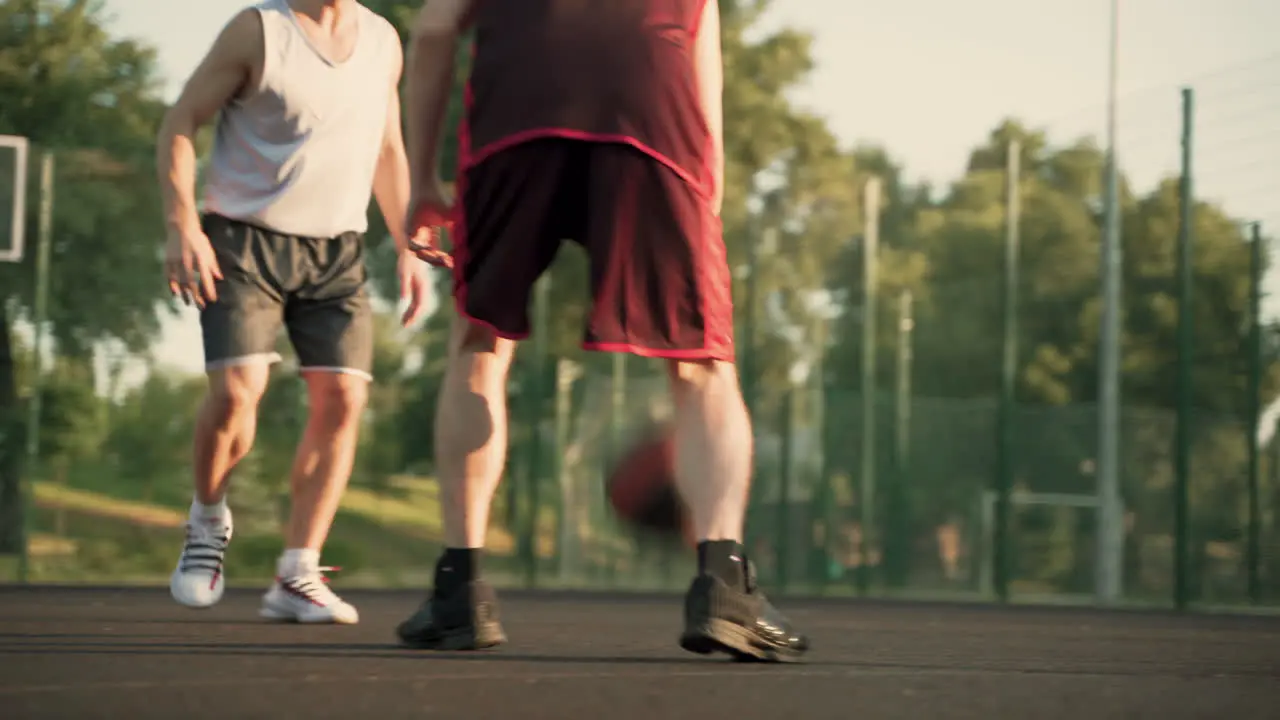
(12, 237)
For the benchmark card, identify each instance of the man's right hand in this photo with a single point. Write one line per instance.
(430, 209)
(191, 266)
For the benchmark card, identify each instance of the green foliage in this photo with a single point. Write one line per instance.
(92, 101)
(786, 171)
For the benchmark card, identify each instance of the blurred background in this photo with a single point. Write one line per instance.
(946, 403)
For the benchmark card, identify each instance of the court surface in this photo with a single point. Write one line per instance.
(130, 653)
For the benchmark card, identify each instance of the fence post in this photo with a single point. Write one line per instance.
(1253, 551)
(1110, 527)
(1182, 435)
(786, 475)
(898, 540)
(821, 496)
(1008, 373)
(867, 493)
(533, 409)
(750, 372)
(44, 238)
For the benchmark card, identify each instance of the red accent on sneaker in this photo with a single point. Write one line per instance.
(289, 589)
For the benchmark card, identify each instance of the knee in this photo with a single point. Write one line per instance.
(487, 355)
(337, 399)
(700, 373)
(233, 398)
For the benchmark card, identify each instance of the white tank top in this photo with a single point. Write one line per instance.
(297, 154)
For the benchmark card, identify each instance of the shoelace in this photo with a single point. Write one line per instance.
(204, 549)
(749, 574)
(312, 586)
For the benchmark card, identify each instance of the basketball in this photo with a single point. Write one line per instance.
(641, 484)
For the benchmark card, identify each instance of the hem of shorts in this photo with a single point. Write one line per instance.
(270, 358)
(505, 335)
(257, 224)
(473, 157)
(702, 353)
(337, 370)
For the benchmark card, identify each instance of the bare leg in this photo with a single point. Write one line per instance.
(713, 447)
(226, 426)
(325, 456)
(471, 449)
(471, 431)
(724, 611)
(321, 469)
(224, 433)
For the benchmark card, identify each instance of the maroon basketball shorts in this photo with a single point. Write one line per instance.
(660, 282)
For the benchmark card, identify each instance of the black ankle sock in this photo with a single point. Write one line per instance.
(457, 567)
(723, 559)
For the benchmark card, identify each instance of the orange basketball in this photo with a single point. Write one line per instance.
(642, 485)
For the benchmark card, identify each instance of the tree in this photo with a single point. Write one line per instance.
(93, 101)
(148, 450)
(956, 246)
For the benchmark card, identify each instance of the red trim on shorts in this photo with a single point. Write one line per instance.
(459, 250)
(713, 250)
(702, 353)
(470, 158)
(714, 344)
(460, 223)
(697, 21)
(462, 312)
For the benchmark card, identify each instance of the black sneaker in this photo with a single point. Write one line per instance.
(739, 621)
(467, 619)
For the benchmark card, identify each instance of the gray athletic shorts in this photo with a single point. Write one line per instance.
(313, 287)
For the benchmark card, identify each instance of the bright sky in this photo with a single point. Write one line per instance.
(929, 79)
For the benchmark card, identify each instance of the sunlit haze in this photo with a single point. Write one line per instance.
(928, 79)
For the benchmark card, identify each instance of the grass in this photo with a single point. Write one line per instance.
(380, 539)
(60, 497)
(413, 507)
(384, 540)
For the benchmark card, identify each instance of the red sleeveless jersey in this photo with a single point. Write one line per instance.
(596, 70)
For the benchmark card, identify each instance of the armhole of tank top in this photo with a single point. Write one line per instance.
(390, 44)
(696, 27)
(264, 11)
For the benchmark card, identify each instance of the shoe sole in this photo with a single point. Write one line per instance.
(194, 605)
(288, 617)
(715, 635)
(459, 640)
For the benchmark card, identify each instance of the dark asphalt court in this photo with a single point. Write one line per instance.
(95, 653)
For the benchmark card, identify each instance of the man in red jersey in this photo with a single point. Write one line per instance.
(598, 122)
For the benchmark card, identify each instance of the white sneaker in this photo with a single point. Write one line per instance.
(307, 599)
(198, 581)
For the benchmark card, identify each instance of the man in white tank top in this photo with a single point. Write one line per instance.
(308, 127)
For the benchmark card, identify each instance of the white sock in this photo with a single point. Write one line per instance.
(200, 511)
(298, 561)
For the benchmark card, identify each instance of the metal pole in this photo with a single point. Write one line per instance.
(867, 495)
(906, 325)
(786, 475)
(822, 497)
(529, 533)
(897, 563)
(1182, 432)
(567, 539)
(40, 312)
(1110, 533)
(749, 319)
(1008, 373)
(1253, 554)
(750, 372)
(618, 401)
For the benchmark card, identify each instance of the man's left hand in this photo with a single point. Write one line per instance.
(415, 285)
